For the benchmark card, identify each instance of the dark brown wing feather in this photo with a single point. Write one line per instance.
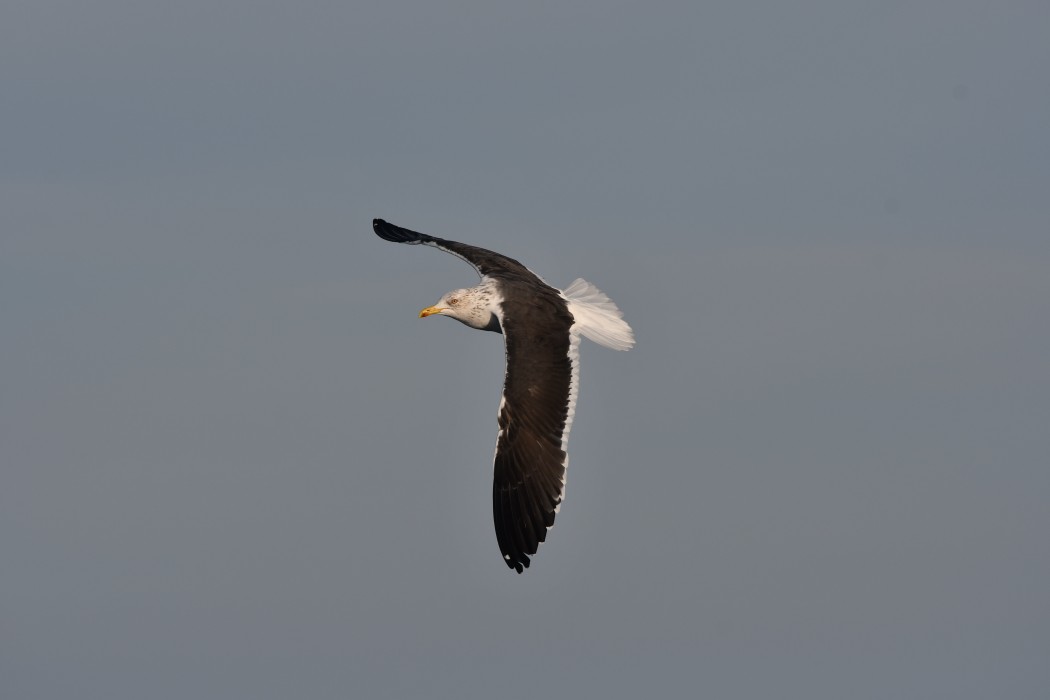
(530, 463)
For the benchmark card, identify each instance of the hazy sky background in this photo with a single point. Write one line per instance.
(235, 465)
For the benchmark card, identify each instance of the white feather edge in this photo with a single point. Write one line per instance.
(574, 393)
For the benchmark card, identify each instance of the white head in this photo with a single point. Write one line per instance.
(476, 307)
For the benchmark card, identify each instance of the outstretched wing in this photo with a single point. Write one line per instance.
(539, 394)
(485, 262)
(535, 415)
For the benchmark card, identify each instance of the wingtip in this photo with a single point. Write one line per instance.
(519, 565)
(395, 234)
(387, 231)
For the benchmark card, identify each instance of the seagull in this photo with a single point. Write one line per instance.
(541, 327)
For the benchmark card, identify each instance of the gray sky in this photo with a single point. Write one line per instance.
(235, 465)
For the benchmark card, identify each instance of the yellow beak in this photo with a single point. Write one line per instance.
(430, 311)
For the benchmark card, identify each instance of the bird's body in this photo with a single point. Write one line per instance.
(541, 326)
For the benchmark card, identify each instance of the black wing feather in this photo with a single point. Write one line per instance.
(486, 262)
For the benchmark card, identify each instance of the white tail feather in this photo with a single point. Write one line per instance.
(597, 317)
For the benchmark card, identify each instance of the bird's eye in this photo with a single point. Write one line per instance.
(453, 301)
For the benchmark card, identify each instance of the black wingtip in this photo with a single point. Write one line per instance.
(395, 234)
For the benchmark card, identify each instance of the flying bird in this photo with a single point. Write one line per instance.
(541, 327)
